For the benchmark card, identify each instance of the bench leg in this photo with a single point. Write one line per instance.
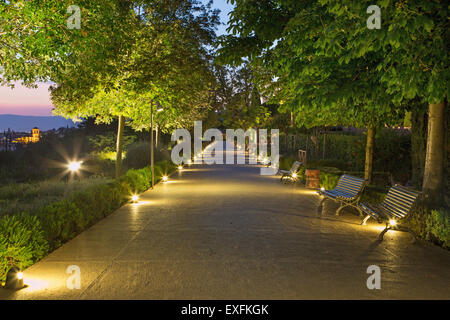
(320, 207)
(363, 223)
(406, 229)
(380, 237)
(359, 210)
(282, 176)
(343, 205)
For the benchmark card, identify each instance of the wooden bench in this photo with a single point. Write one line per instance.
(396, 206)
(348, 192)
(292, 173)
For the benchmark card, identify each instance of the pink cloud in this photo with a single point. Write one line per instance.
(25, 101)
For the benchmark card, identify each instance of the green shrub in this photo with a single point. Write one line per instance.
(22, 242)
(61, 221)
(163, 168)
(328, 180)
(138, 155)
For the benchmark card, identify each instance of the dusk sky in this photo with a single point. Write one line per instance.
(36, 102)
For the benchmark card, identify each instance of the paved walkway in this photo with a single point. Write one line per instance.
(225, 232)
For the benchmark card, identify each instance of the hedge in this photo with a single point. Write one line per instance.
(27, 237)
(392, 151)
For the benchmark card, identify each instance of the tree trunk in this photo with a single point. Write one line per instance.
(418, 145)
(156, 137)
(370, 143)
(433, 177)
(119, 146)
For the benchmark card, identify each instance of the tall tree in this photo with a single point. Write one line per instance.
(414, 41)
(162, 58)
(406, 58)
(313, 75)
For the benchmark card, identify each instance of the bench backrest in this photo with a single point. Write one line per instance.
(350, 184)
(295, 166)
(302, 156)
(399, 201)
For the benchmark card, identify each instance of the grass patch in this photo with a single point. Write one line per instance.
(19, 197)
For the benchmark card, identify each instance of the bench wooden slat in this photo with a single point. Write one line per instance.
(397, 205)
(398, 202)
(350, 184)
(403, 196)
(347, 191)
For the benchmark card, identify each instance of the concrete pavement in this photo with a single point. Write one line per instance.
(226, 232)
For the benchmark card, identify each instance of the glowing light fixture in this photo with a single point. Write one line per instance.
(165, 178)
(294, 175)
(134, 198)
(74, 166)
(392, 222)
(180, 167)
(322, 189)
(14, 279)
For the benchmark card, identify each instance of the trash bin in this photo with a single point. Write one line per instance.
(312, 178)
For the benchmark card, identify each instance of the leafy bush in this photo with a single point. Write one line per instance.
(138, 155)
(139, 180)
(60, 221)
(27, 237)
(22, 242)
(438, 226)
(328, 180)
(107, 142)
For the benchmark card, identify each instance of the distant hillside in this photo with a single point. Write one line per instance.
(26, 123)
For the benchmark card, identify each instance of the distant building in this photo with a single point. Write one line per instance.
(29, 139)
(6, 141)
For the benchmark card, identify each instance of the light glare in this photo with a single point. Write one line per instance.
(74, 166)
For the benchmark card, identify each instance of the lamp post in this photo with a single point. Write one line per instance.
(151, 142)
